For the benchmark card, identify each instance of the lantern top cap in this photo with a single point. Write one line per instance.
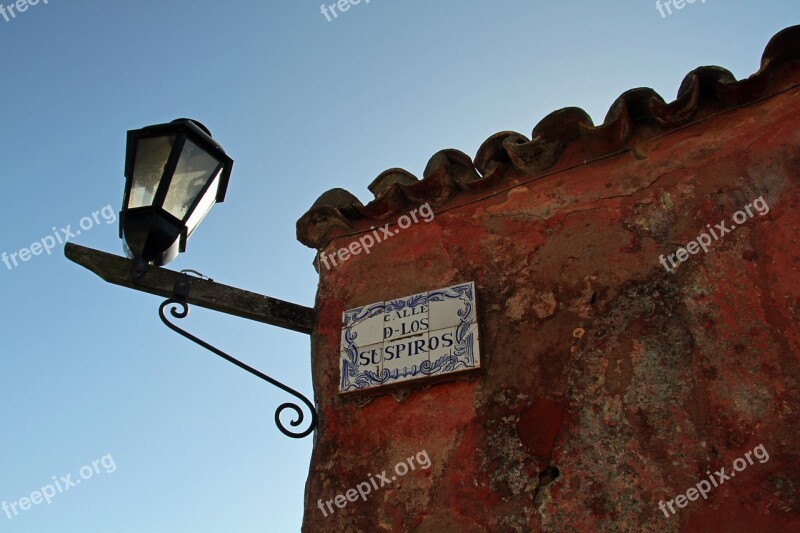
(195, 126)
(195, 122)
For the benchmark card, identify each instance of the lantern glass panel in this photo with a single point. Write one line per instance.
(152, 154)
(204, 206)
(195, 168)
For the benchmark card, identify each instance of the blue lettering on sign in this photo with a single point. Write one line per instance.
(365, 360)
(407, 312)
(414, 347)
(406, 328)
(409, 348)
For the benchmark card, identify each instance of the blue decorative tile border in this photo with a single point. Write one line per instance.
(417, 336)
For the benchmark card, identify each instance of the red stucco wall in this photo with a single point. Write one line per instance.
(631, 381)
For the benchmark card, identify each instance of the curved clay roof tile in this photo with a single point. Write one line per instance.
(640, 113)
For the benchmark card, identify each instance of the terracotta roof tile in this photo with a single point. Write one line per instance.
(637, 115)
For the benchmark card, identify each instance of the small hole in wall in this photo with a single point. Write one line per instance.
(548, 475)
(594, 298)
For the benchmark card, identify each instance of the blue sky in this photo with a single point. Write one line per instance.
(302, 105)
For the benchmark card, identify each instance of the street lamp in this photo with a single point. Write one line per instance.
(174, 173)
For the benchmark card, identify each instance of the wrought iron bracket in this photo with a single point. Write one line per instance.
(180, 309)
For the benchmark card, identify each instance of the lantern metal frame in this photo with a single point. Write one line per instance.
(153, 220)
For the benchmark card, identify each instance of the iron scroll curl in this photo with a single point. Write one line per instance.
(180, 310)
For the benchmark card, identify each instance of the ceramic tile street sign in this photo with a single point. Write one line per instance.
(423, 335)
